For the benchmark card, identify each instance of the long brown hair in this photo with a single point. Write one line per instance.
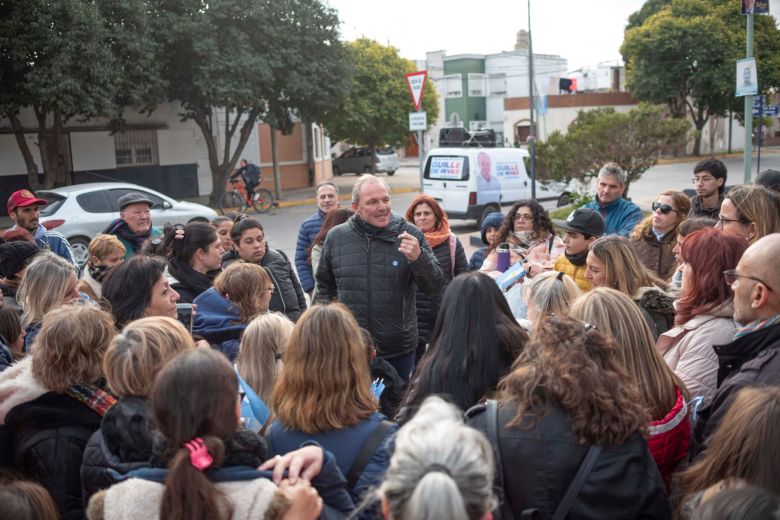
(542, 224)
(744, 446)
(680, 202)
(244, 284)
(624, 270)
(438, 212)
(325, 384)
(573, 365)
(195, 395)
(613, 313)
(332, 219)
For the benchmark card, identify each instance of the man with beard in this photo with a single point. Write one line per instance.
(24, 208)
(134, 225)
(709, 179)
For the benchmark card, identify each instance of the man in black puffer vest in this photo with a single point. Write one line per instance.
(373, 263)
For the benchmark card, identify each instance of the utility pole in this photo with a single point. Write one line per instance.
(748, 152)
(532, 137)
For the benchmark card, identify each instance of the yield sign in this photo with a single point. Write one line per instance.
(416, 82)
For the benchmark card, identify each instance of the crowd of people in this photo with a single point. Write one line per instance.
(609, 365)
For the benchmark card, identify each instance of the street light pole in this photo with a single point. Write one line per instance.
(532, 136)
(748, 152)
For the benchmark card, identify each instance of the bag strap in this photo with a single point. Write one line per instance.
(576, 484)
(367, 451)
(550, 244)
(453, 240)
(258, 407)
(491, 422)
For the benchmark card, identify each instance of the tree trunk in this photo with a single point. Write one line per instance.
(275, 160)
(307, 131)
(371, 150)
(51, 142)
(29, 162)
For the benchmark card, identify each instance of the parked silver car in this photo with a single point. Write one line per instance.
(358, 160)
(86, 209)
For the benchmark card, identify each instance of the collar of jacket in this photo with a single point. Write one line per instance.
(388, 233)
(228, 474)
(609, 205)
(732, 356)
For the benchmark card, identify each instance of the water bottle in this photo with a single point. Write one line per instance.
(502, 252)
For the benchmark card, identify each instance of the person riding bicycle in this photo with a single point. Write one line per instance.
(251, 175)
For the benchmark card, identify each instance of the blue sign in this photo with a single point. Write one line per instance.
(772, 111)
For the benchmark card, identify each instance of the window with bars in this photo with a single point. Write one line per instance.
(136, 148)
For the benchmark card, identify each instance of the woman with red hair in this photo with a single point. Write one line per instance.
(425, 213)
(704, 312)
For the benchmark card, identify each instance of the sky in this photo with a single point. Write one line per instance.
(585, 32)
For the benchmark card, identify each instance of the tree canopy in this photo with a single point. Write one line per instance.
(376, 111)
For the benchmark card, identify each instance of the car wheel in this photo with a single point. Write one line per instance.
(564, 200)
(490, 208)
(336, 171)
(366, 169)
(80, 248)
(391, 172)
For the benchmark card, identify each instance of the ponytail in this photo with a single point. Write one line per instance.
(189, 494)
(182, 241)
(436, 496)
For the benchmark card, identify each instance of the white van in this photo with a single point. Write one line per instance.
(469, 183)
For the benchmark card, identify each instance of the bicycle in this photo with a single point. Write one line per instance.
(237, 199)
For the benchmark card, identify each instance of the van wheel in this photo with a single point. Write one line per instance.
(487, 211)
(391, 173)
(564, 200)
(336, 171)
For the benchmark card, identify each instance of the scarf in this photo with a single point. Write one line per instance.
(437, 237)
(242, 448)
(190, 278)
(98, 272)
(369, 230)
(94, 396)
(579, 259)
(120, 227)
(757, 325)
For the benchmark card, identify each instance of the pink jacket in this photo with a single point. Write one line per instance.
(687, 349)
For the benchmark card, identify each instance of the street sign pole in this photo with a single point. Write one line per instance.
(748, 152)
(416, 83)
(760, 129)
(532, 138)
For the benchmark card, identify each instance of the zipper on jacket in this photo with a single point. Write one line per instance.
(279, 289)
(368, 279)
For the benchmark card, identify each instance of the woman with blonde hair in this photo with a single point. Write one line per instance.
(104, 252)
(263, 344)
(133, 359)
(49, 281)
(751, 212)
(655, 237)
(54, 399)
(324, 394)
(549, 294)
(661, 391)
(613, 263)
(568, 406)
(240, 292)
(742, 451)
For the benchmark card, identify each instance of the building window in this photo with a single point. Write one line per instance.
(453, 86)
(497, 84)
(477, 85)
(136, 148)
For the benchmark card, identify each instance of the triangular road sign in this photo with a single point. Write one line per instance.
(416, 82)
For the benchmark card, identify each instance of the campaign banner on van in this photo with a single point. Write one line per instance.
(446, 168)
(508, 170)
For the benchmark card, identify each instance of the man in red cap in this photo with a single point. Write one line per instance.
(24, 209)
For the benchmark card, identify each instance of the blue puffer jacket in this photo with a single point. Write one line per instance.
(477, 259)
(620, 216)
(306, 235)
(219, 321)
(344, 445)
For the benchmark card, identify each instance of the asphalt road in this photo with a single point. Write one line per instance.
(281, 225)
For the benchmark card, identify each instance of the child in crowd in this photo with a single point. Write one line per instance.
(583, 226)
(489, 231)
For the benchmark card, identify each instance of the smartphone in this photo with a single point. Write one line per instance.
(184, 315)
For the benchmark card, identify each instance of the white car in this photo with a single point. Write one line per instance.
(82, 211)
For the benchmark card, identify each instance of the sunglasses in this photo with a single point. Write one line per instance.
(665, 208)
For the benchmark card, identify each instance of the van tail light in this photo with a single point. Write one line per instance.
(51, 224)
(472, 198)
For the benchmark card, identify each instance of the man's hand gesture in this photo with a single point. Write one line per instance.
(410, 247)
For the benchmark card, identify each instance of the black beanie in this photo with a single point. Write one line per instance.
(14, 256)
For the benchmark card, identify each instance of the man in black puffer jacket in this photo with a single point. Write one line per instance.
(373, 263)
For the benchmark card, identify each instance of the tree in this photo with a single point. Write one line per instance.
(633, 140)
(376, 111)
(62, 60)
(251, 59)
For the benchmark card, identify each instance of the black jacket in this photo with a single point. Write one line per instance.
(288, 295)
(370, 276)
(49, 436)
(750, 360)
(123, 443)
(428, 306)
(657, 307)
(540, 462)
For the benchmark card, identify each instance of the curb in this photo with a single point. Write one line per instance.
(733, 155)
(344, 197)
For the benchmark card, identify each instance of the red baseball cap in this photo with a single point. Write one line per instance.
(22, 199)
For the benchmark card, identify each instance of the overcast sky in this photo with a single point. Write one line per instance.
(585, 32)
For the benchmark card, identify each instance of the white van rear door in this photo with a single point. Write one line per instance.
(445, 179)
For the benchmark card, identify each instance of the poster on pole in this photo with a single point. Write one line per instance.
(416, 83)
(755, 6)
(418, 121)
(747, 77)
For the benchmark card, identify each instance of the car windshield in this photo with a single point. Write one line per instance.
(54, 200)
(385, 151)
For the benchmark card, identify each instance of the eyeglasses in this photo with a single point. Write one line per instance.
(722, 221)
(525, 218)
(702, 179)
(665, 208)
(731, 276)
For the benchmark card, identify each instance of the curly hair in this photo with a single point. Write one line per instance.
(573, 366)
(542, 224)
